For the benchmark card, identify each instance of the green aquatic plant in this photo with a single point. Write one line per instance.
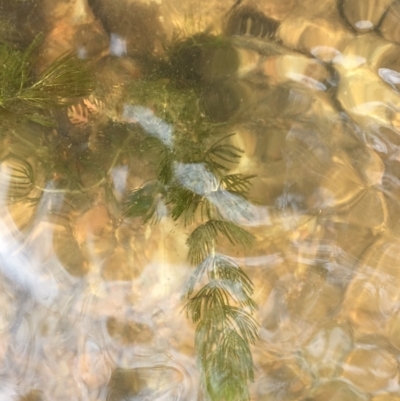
(193, 182)
(28, 102)
(24, 96)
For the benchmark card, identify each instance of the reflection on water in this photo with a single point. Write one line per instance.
(91, 299)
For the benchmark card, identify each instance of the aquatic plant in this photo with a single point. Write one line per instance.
(24, 96)
(193, 183)
(28, 101)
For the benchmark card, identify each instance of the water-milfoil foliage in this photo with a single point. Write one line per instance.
(29, 100)
(193, 158)
(192, 182)
(24, 95)
(223, 311)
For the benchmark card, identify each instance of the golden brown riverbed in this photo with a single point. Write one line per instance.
(91, 300)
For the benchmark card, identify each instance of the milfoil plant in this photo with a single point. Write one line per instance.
(32, 97)
(194, 185)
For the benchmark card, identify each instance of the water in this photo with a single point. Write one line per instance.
(92, 299)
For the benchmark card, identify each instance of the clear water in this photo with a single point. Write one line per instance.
(91, 300)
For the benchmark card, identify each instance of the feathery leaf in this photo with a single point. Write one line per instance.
(32, 98)
(201, 241)
(143, 201)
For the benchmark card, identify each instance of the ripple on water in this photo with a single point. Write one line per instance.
(91, 300)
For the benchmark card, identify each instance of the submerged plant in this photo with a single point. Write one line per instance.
(27, 105)
(26, 96)
(193, 183)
